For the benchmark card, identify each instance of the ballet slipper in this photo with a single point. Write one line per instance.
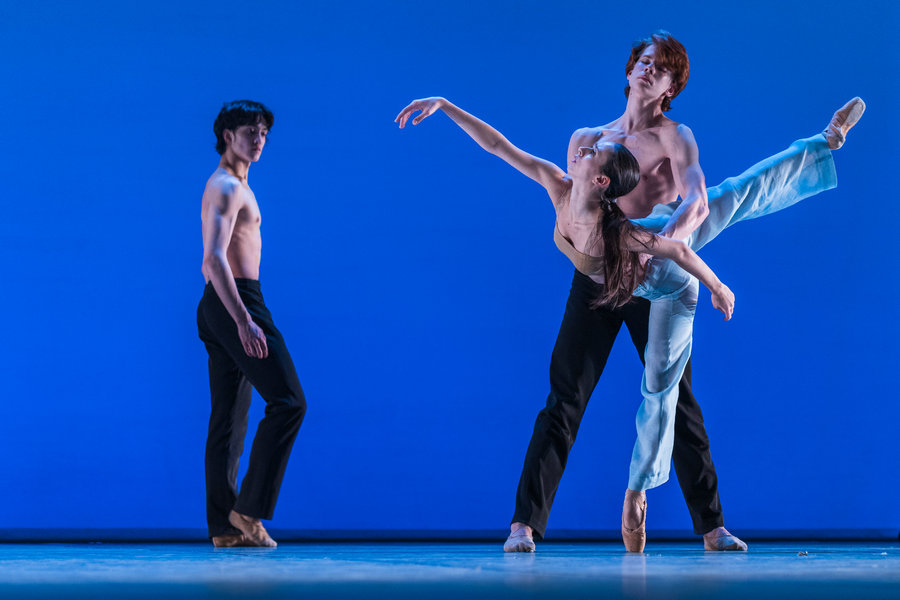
(634, 512)
(253, 530)
(233, 540)
(842, 121)
(519, 540)
(720, 540)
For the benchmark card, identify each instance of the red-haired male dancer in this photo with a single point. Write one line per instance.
(657, 71)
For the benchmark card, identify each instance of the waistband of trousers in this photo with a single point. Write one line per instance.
(250, 285)
(584, 280)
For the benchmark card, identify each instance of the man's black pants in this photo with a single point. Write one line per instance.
(231, 375)
(585, 340)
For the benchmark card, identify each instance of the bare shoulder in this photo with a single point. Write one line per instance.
(223, 189)
(591, 132)
(678, 139)
(221, 182)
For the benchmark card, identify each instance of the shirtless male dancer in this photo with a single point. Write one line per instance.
(657, 71)
(245, 349)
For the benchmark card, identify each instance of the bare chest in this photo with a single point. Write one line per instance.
(246, 235)
(658, 181)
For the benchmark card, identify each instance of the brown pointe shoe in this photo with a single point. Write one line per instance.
(720, 540)
(233, 540)
(519, 541)
(842, 121)
(254, 532)
(634, 512)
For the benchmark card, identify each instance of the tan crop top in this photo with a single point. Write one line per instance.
(585, 263)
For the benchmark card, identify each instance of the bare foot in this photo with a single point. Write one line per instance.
(253, 530)
(719, 540)
(634, 521)
(520, 539)
(233, 540)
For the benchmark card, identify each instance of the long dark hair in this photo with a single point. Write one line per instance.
(622, 268)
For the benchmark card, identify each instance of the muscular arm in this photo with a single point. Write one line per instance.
(687, 259)
(542, 171)
(218, 226)
(685, 159)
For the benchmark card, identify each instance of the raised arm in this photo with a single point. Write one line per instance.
(544, 172)
(685, 160)
(218, 226)
(687, 259)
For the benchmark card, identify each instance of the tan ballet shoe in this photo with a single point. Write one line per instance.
(254, 532)
(634, 521)
(720, 540)
(519, 540)
(843, 120)
(234, 540)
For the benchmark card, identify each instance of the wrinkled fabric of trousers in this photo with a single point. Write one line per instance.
(804, 169)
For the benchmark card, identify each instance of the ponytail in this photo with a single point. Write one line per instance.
(622, 268)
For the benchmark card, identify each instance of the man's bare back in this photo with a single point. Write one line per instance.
(227, 201)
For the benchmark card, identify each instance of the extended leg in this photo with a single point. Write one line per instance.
(803, 170)
(585, 339)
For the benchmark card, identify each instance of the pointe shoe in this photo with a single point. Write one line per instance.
(233, 540)
(519, 541)
(842, 121)
(254, 532)
(720, 540)
(634, 511)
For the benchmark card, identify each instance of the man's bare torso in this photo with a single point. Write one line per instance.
(245, 244)
(653, 148)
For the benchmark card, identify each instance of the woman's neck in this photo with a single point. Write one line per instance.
(584, 203)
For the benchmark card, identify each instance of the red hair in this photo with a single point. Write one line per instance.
(670, 55)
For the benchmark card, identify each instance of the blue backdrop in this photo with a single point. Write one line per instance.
(414, 276)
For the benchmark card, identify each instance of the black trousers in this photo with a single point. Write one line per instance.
(585, 340)
(231, 375)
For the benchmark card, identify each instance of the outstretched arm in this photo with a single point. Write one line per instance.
(687, 259)
(691, 186)
(544, 172)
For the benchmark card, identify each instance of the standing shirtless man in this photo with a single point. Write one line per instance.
(245, 349)
(657, 71)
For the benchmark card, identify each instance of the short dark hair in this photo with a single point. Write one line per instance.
(237, 113)
(670, 54)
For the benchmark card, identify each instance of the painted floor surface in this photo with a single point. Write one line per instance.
(458, 570)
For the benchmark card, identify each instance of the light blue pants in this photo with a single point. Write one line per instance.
(804, 169)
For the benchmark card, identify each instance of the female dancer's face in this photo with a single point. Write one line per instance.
(588, 162)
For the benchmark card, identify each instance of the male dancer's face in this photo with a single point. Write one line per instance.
(247, 141)
(649, 79)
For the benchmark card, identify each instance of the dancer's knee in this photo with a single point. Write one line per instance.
(559, 419)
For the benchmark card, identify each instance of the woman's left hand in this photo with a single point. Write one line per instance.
(723, 300)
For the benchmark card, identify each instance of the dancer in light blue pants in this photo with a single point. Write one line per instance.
(804, 169)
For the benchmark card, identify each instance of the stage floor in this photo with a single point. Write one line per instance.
(433, 571)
